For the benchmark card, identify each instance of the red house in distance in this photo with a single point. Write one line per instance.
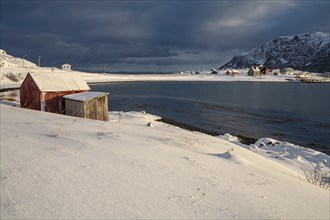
(45, 91)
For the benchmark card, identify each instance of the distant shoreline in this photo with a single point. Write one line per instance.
(242, 139)
(4, 89)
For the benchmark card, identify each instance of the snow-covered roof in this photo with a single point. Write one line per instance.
(59, 82)
(255, 68)
(233, 71)
(84, 96)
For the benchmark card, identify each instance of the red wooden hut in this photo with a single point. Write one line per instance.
(264, 70)
(45, 91)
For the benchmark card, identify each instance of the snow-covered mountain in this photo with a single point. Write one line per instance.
(309, 51)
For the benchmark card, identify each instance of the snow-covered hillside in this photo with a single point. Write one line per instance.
(309, 51)
(59, 167)
(14, 69)
(7, 60)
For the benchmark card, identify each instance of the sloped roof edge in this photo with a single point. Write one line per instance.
(48, 82)
(84, 96)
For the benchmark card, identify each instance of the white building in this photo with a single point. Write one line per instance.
(66, 67)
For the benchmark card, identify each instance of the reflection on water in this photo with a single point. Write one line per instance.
(295, 112)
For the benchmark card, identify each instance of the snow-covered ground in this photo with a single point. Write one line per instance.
(298, 158)
(59, 167)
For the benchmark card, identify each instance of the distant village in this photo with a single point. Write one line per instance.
(258, 71)
(261, 70)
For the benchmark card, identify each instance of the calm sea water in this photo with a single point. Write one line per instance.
(294, 112)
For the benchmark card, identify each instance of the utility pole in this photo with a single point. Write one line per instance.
(39, 60)
(156, 69)
(105, 68)
(24, 60)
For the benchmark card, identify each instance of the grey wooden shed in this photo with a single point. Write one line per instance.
(91, 105)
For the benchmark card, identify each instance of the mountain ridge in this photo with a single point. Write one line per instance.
(308, 51)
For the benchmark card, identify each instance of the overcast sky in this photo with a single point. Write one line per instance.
(148, 35)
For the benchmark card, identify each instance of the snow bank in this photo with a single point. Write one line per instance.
(297, 158)
(60, 167)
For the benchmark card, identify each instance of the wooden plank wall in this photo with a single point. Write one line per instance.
(55, 102)
(97, 108)
(74, 108)
(30, 94)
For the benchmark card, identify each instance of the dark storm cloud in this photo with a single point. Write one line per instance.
(142, 34)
